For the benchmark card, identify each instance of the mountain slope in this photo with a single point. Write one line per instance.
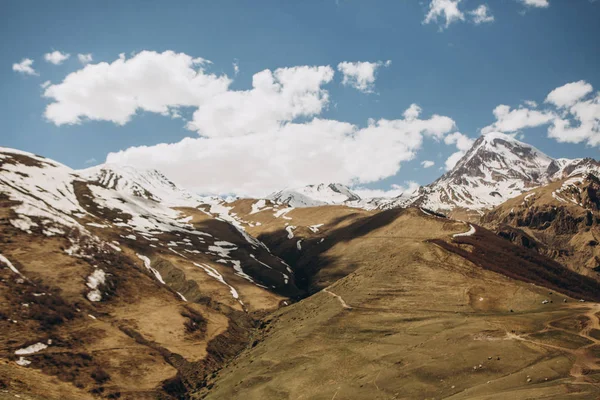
(560, 220)
(376, 332)
(112, 290)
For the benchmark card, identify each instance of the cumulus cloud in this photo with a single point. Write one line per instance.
(580, 121)
(536, 3)
(481, 15)
(463, 144)
(56, 57)
(360, 75)
(512, 120)
(427, 164)
(409, 188)
(236, 67)
(572, 113)
(251, 142)
(276, 97)
(149, 81)
(25, 67)
(569, 94)
(85, 58)
(292, 154)
(447, 10)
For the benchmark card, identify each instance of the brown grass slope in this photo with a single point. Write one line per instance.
(412, 320)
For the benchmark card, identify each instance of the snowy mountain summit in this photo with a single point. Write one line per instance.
(498, 167)
(315, 195)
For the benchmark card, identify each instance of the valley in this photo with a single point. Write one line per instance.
(117, 283)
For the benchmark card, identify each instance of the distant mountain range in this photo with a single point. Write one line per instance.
(498, 167)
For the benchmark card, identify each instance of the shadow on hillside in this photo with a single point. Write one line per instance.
(494, 253)
(311, 260)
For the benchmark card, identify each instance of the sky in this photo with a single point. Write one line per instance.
(250, 97)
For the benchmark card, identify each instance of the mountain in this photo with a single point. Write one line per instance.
(116, 283)
(560, 220)
(149, 184)
(498, 167)
(315, 195)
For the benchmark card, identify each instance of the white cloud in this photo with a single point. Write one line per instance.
(291, 154)
(360, 75)
(409, 188)
(573, 113)
(85, 58)
(275, 98)
(412, 112)
(531, 103)
(569, 94)
(252, 141)
(453, 160)
(444, 9)
(508, 120)
(427, 164)
(581, 123)
(45, 84)
(536, 3)
(236, 67)
(463, 144)
(481, 15)
(56, 57)
(91, 161)
(25, 67)
(149, 81)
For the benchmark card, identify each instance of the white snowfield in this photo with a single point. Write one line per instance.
(470, 232)
(34, 348)
(314, 195)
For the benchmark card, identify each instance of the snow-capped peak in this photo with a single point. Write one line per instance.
(315, 195)
(149, 184)
(497, 168)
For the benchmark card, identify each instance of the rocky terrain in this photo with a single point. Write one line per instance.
(559, 220)
(117, 283)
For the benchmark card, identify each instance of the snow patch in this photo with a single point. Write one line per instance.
(470, 232)
(34, 348)
(10, 265)
(148, 266)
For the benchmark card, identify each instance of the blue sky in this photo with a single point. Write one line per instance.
(462, 71)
